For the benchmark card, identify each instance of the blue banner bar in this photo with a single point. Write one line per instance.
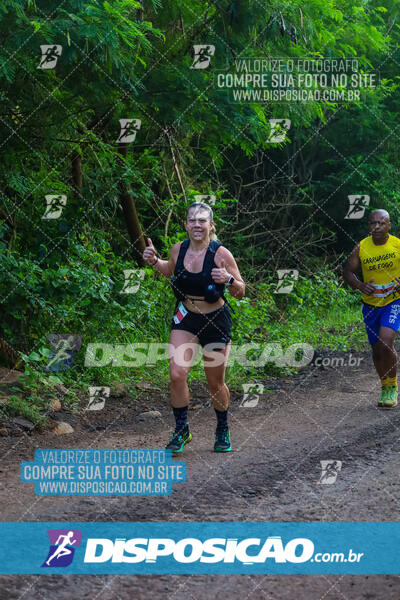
(196, 548)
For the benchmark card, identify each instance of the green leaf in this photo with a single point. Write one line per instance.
(36, 26)
(54, 379)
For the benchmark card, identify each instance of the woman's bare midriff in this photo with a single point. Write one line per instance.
(202, 306)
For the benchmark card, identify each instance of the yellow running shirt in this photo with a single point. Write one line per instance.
(381, 262)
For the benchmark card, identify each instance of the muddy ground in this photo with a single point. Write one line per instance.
(271, 475)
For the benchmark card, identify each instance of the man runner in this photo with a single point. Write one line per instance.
(378, 255)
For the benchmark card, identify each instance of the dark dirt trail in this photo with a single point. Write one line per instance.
(271, 475)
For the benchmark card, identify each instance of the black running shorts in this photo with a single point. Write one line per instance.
(215, 326)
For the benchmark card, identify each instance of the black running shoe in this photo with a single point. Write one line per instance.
(222, 440)
(179, 438)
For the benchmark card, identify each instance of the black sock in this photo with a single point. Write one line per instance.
(222, 418)
(180, 415)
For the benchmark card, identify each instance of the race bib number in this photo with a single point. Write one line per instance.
(180, 314)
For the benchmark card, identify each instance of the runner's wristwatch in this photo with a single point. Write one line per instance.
(230, 280)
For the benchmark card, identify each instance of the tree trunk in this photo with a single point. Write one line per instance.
(77, 172)
(131, 217)
(9, 356)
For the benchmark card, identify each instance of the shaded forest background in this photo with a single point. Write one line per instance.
(278, 206)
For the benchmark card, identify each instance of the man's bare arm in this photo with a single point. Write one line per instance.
(352, 265)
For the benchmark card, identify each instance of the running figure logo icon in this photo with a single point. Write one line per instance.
(62, 347)
(129, 128)
(329, 471)
(287, 279)
(202, 55)
(357, 206)
(62, 542)
(50, 55)
(98, 395)
(208, 198)
(132, 283)
(250, 394)
(54, 205)
(278, 131)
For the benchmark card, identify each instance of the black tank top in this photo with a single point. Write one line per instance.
(195, 283)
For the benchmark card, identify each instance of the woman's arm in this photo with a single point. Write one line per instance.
(165, 267)
(227, 267)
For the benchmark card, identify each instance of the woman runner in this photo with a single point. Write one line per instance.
(199, 269)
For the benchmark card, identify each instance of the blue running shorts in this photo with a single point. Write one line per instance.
(380, 316)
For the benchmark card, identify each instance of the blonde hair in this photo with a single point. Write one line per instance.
(213, 233)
